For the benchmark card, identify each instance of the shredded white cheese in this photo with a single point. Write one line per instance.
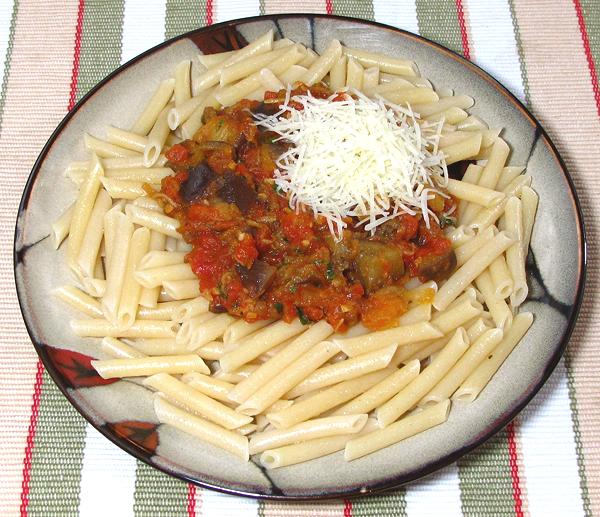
(358, 157)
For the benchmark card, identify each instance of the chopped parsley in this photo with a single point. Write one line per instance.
(302, 317)
(279, 307)
(330, 271)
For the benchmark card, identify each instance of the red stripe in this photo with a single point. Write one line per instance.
(191, 500)
(514, 469)
(35, 406)
(37, 388)
(209, 12)
(347, 508)
(460, 11)
(76, 54)
(588, 53)
(328, 6)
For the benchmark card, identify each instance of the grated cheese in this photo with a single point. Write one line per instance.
(359, 157)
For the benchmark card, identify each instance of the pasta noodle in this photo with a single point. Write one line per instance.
(427, 379)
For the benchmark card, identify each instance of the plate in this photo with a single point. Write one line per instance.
(122, 410)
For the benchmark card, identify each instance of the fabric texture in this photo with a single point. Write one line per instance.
(545, 463)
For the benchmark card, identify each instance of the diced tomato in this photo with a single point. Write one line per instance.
(269, 96)
(296, 227)
(409, 225)
(177, 154)
(246, 252)
(209, 259)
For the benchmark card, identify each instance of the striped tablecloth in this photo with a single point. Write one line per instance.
(546, 463)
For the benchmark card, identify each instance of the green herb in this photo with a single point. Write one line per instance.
(293, 288)
(302, 317)
(330, 271)
(221, 290)
(319, 262)
(220, 123)
(279, 307)
(447, 221)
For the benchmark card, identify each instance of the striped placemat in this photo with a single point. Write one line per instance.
(546, 463)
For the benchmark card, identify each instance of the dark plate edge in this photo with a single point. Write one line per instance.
(353, 491)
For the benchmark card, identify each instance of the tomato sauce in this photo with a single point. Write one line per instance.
(256, 258)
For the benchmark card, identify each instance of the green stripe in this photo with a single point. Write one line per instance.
(517, 32)
(100, 42)
(389, 505)
(261, 7)
(7, 58)
(57, 455)
(59, 440)
(485, 480)
(591, 16)
(158, 494)
(356, 8)
(583, 484)
(183, 16)
(438, 21)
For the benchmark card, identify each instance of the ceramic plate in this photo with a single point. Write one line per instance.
(122, 409)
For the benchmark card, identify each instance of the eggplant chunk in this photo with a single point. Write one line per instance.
(258, 278)
(198, 179)
(236, 190)
(377, 264)
(437, 267)
(343, 252)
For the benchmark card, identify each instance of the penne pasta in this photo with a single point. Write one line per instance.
(498, 308)
(289, 377)
(383, 391)
(321, 66)
(155, 276)
(155, 221)
(79, 300)
(398, 431)
(232, 442)
(384, 63)
(118, 349)
(337, 74)
(470, 389)
(310, 449)
(344, 370)
(326, 399)
(60, 227)
(469, 361)
(144, 366)
(193, 401)
(131, 289)
(126, 139)
(82, 211)
(406, 399)
(157, 103)
(277, 364)
(310, 430)
(140, 329)
(106, 149)
(515, 254)
(183, 87)
(259, 343)
(383, 338)
(214, 388)
(471, 269)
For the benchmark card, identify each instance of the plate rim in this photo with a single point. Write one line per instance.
(391, 483)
